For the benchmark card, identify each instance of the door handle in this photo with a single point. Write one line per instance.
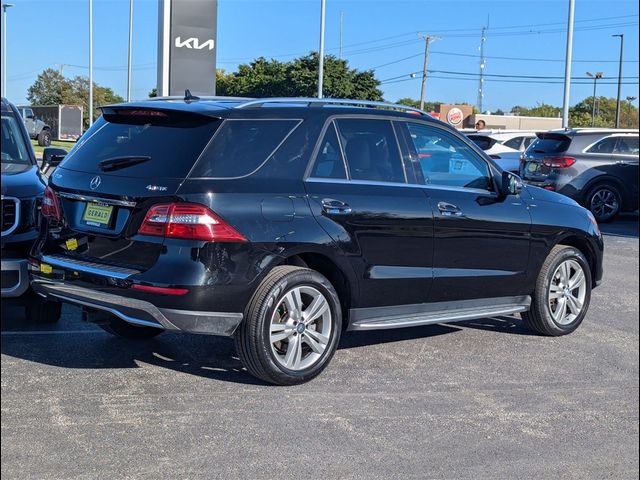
(449, 210)
(335, 207)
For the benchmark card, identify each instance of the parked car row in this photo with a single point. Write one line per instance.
(284, 222)
(596, 167)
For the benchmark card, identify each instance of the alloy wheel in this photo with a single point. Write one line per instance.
(567, 292)
(300, 328)
(604, 203)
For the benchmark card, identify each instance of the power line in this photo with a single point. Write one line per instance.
(497, 80)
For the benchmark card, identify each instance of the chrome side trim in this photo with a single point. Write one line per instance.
(443, 312)
(90, 198)
(16, 220)
(89, 267)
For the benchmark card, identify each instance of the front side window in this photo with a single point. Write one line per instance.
(329, 162)
(371, 150)
(445, 160)
(627, 146)
(513, 143)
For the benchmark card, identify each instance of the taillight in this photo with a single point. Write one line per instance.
(559, 162)
(189, 221)
(51, 205)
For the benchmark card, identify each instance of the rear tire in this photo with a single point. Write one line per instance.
(605, 202)
(120, 328)
(562, 294)
(43, 311)
(291, 328)
(44, 138)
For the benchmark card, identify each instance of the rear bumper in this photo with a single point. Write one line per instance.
(15, 277)
(140, 312)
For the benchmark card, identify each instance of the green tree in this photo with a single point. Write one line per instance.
(101, 96)
(298, 78)
(49, 88)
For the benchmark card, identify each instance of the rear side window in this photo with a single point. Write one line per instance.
(482, 141)
(371, 150)
(550, 143)
(241, 146)
(329, 162)
(173, 143)
(606, 145)
(513, 143)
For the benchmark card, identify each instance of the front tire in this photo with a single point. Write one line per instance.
(562, 294)
(44, 138)
(291, 328)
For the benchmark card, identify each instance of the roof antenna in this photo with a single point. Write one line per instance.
(188, 97)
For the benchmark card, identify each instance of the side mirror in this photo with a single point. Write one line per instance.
(51, 157)
(511, 184)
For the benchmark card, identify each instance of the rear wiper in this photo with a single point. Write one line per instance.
(539, 151)
(116, 163)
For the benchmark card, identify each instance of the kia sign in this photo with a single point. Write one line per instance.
(455, 117)
(187, 47)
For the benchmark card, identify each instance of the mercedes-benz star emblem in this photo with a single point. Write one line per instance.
(95, 182)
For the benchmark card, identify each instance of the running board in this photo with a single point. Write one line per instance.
(379, 318)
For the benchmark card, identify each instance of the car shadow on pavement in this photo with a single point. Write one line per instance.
(502, 324)
(625, 225)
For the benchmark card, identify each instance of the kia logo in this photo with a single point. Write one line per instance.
(194, 43)
(95, 182)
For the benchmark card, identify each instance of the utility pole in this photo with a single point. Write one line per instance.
(567, 67)
(61, 67)
(595, 77)
(321, 49)
(427, 41)
(482, 64)
(4, 47)
(341, 32)
(130, 45)
(621, 35)
(90, 62)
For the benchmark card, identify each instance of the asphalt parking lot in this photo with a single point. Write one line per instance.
(479, 399)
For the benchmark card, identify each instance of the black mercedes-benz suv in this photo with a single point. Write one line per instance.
(283, 222)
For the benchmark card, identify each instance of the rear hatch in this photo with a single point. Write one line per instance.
(130, 159)
(543, 155)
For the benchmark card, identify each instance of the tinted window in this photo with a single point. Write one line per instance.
(242, 146)
(173, 145)
(329, 162)
(513, 143)
(446, 160)
(606, 145)
(371, 150)
(482, 141)
(627, 146)
(14, 148)
(550, 143)
(528, 141)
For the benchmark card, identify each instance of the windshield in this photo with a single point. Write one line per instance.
(15, 151)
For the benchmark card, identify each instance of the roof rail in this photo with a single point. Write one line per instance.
(332, 101)
(202, 97)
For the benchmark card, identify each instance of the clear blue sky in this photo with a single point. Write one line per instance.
(376, 34)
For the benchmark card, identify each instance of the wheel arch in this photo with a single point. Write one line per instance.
(585, 247)
(337, 275)
(605, 179)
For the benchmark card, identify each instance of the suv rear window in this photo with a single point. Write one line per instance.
(173, 143)
(241, 146)
(550, 143)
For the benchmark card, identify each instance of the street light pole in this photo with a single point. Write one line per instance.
(130, 45)
(621, 35)
(595, 77)
(90, 62)
(567, 67)
(321, 52)
(629, 101)
(4, 47)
